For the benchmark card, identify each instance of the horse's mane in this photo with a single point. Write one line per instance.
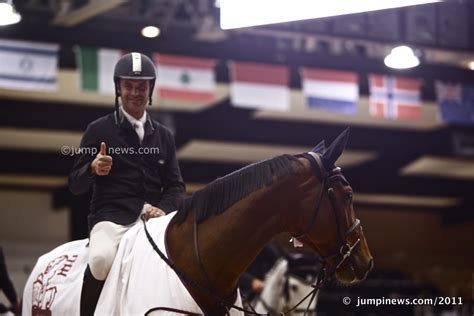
(223, 192)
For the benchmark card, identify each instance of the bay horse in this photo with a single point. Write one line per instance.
(213, 238)
(224, 226)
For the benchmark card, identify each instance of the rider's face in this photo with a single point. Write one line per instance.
(134, 95)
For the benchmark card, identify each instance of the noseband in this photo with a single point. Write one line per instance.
(344, 245)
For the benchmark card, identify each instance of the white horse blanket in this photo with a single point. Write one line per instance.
(139, 279)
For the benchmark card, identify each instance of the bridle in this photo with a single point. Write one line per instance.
(345, 247)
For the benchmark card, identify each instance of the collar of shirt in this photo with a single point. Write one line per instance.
(133, 121)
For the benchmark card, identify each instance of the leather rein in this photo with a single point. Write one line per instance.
(345, 247)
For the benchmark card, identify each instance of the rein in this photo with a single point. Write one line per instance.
(345, 249)
(211, 293)
(188, 280)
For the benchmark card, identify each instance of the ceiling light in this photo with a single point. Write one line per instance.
(470, 65)
(150, 31)
(8, 14)
(401, 57)
(244, 13)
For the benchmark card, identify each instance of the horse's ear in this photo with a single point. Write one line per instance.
(335, 150)
(319, 148)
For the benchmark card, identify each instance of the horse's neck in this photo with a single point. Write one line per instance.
(230, 241)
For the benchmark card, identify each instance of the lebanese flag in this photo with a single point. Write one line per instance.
(395, 97)
(185, 78)
(259, 86)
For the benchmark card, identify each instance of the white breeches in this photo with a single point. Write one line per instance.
(103, 245)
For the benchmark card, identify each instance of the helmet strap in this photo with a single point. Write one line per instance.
(152, 87)
(117, 116)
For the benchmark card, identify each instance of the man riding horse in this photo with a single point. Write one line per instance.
(126, 182)
(224, 225)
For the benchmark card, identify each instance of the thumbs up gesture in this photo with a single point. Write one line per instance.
(102, 163)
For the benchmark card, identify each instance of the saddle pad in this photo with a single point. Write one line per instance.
(141, 281)
(137, 282)
(54, 285)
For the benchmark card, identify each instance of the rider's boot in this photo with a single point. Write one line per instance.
(91, 288)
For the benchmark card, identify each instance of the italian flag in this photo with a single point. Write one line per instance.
(97, 68)
(185, 78)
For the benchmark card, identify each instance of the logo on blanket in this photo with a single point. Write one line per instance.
(44, 290)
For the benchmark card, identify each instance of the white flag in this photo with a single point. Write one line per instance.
(28, 65)
(259, 86)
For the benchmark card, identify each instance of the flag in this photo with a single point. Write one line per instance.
(259, 86)
(395, 97)
(330, 90)
(455, 102)
(28, 65)
(186, 78)
(96, 66)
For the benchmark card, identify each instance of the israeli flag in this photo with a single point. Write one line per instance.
(28, 65)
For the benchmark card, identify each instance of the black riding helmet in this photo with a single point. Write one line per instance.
(134, 66)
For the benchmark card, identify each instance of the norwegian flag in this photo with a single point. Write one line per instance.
(395, 97)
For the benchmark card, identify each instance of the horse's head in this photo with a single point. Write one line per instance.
(330, 225)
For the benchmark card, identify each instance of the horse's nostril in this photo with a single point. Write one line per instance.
(371, 264)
